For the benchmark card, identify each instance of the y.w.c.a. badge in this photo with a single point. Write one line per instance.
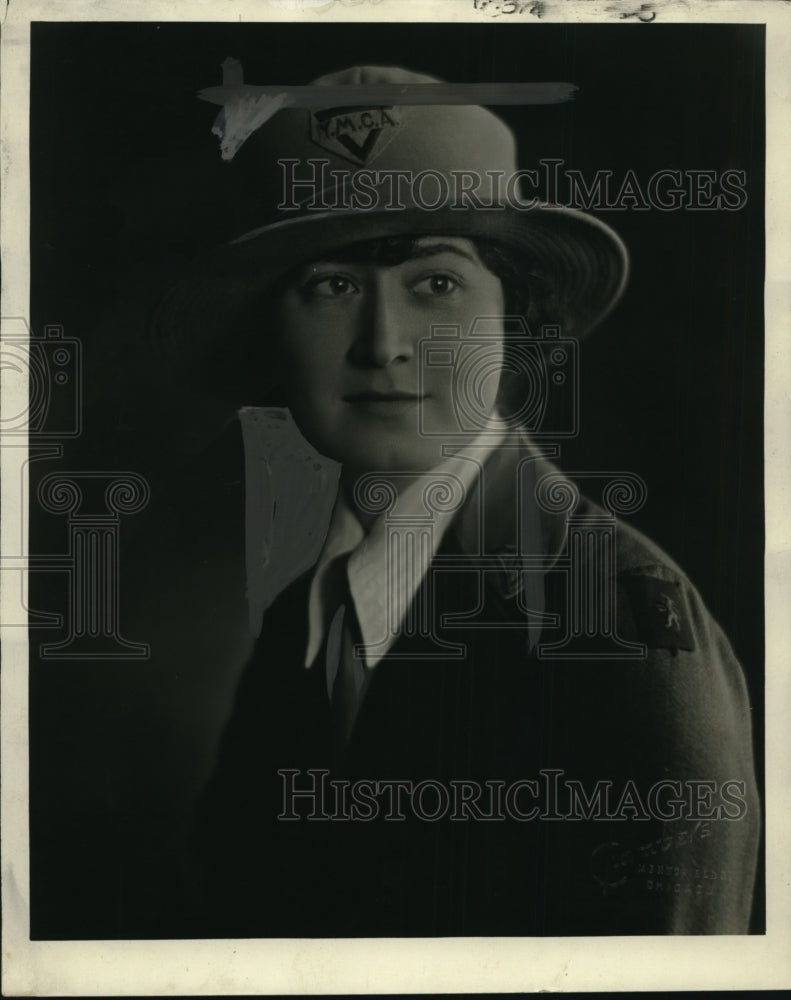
(357, 134)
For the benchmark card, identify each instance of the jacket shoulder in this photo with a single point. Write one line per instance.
(635, 551)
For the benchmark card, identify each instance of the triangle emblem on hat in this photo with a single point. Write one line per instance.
(362, 152)
(357, 134)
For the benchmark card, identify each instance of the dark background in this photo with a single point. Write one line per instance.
(123, 167)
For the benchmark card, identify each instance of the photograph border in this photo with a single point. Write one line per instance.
(424, 965)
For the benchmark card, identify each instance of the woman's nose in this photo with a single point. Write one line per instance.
(384, 336)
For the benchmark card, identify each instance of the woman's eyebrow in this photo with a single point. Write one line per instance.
(432, 249)
(417, 252)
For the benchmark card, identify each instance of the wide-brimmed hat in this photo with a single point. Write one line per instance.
(310, 180)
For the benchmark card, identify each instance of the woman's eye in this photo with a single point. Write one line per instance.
(331, 286)
(436, 284)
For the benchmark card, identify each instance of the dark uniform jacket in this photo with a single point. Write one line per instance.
(614, 769)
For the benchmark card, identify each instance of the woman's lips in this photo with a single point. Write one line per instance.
(391, 402)
(371, 395)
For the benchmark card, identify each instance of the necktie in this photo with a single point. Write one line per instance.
(346, 673)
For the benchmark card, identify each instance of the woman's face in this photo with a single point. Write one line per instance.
(363, 382)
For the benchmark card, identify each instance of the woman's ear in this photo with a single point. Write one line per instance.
(512, 393)
(525, 392)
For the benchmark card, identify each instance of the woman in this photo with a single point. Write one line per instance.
(489, 708)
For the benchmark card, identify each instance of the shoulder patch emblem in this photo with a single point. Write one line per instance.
(660, 612)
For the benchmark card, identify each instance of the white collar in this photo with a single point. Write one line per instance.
(367, 565)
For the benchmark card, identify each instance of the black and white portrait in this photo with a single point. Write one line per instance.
(395, 479)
